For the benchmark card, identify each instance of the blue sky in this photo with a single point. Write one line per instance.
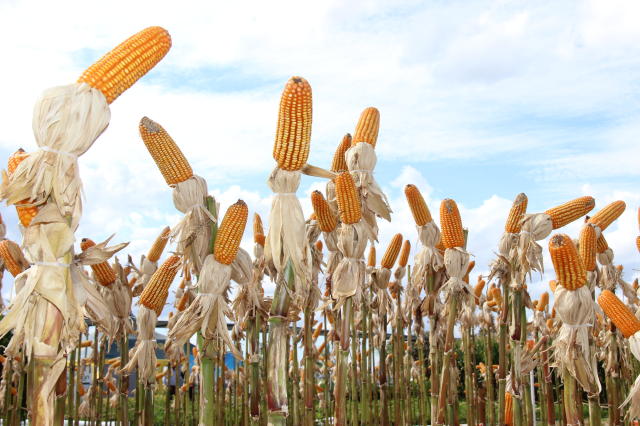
(479, 100)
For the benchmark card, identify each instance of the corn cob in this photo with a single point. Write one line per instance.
(317, 332)
(103, 272)
(619, 313)
(496, 295)
(392, 252)
(183, 302)
(158, 245)
(404, 254)
(516, 214)
(477, 290)
(470, 267)
(165, 152)
(566, 262)
(608, 214)
(367, 127)
(86, 344)
(230, 233)
(570, 211)
(116, 71)
(347, 198)
(601, 244)
(293, 135)
(258, 230)
(638, 242)
(326, 220)
(371, 259)
(155, 293)
(419, 209)
(451, 224)
(544, 301)
(339, 163)
(12, 256)
(25, 213)
(508, 409)
(587, 247)
(319, 245)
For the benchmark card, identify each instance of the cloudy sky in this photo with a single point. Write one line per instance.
(479, 101)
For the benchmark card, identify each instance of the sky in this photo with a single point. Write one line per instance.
(479, 101)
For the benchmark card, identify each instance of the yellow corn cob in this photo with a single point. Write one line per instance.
(608, 214)
(25, 213)
(258, 230)
(103, 272)
(230, 233)
(404, 253)
(470, 267)
(552, 285)
(392, 252)
(326, 220)
(477, 290)
(638, 242)
(347, 198)
(451, 224)
(570, 211)
(86, 344)
(165, 152)
(508, 409)
(81, 389)
(12, 256)
(183, 302)
(419, 209)
(132, 282)
(339, 163)
(367, 127)
(518, 209)
(158, 245)
(116, 71)
(317, 332)
(587, 247)
(496, 295)
(319, 245)
(293, 136)
(601, 244)
(371, 259)
(566, 262)
(155, 293)
(619, 313)
(544, 301)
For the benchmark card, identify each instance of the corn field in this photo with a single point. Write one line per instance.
(356, 332)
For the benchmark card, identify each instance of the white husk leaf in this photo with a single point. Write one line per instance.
(143, 354)
(193, 232)
(66, 119)
(576, 310)
(209, 310)
(350, 272)
(634, 392)
(286, 239)
(361, 160)
(456, 262)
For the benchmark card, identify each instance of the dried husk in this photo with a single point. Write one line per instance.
(350, 272)
(286, 239)
(634, 393)
(144, 273)
(242, 267)
(67, 119)
(576, 310)
(193, 232)
(456, 262)
(429, 258)
(143, 354)
(209, 310)
(535, 227)
(361, 160)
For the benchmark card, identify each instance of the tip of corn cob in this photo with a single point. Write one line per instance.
(119, 69)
